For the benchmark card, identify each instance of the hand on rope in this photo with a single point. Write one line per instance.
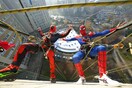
(118, 45)
(123, 25)
(120, 25)
(87, 45)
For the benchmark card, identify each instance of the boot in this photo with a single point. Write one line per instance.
(79, 68)
(53, 80)
(10, 68)
(105, 80)
(81, 80)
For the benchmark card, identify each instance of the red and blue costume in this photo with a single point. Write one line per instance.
(47, 45)
(98, 50)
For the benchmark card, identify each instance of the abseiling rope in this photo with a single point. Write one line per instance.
(78, 5)
(11, 28)
(117, 69)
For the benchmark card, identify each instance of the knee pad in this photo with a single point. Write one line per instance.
(76, 59)
(78, 56)
(101, 48)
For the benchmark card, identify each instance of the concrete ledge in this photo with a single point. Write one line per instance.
(59, 84)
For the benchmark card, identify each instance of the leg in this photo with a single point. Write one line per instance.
(101, 52)
(76, 59)
(19, 56)
(50, 55)
(102, 57)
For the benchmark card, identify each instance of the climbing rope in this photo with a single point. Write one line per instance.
(118, 68)
(11, 28)
(60, 72)
(112, 71)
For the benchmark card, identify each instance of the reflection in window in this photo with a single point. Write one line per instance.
(2, 53)
(10, 53)
(24, 39)
(14, 36)
(17, 43)
(7, 36)
(26, 59)
(12, 40)
(6, 17)
(1, 31)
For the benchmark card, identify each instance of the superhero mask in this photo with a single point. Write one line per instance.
(83, 30)
(52, 29)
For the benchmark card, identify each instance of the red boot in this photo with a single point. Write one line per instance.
(82, 79)
(102, 63)
(10, 68)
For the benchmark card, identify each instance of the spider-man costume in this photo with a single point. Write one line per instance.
(98, 50)
(47, 45)
(19, 56)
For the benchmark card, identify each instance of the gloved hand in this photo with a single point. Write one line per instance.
(117, 27)
(63, 39)
(118, 45)
(1, 49)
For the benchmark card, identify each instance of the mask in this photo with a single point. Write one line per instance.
(83, 30)
(52, 29)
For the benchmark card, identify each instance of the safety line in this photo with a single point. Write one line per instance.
(59, 71)
(10, 27)
(78, 5)
(5, 26)
(114, 69)
(108, 72)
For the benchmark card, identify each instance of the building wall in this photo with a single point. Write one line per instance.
(25, 22)
(10, 36)
(20, 18)
(37, 18)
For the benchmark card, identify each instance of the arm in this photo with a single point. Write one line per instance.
(118, 45)
(105, 32)
(65, 34)
(96, 34)
(71, 39)
(40, 32)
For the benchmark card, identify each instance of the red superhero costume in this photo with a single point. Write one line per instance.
(20, 54)
(48, 41)
(5, 45)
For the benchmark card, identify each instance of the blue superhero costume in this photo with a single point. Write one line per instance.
(98, 50)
